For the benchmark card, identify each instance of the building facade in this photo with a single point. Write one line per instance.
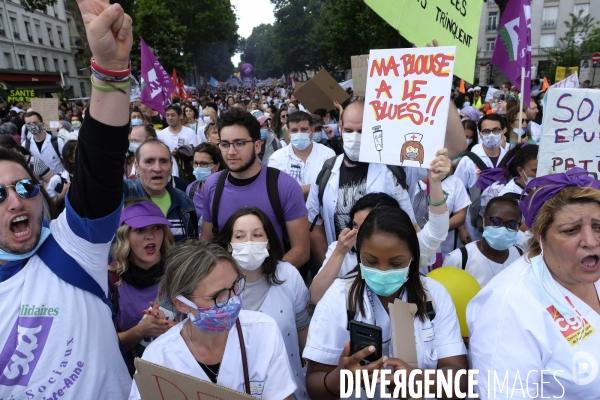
(35, 48)
(547, 27)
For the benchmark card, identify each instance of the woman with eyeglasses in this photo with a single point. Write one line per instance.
(218, 341)
(486, 258)
(207, 160)
(537, 323)
(273, 287)
(512, 117)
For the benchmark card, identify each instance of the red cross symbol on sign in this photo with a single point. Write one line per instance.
(413, 137)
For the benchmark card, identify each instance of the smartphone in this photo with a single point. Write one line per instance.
(364, 335)
(502, 97)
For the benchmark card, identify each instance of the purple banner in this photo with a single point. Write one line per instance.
(156, 84)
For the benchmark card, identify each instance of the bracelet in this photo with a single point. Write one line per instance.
(115, 74)
(111, 87)
(326, 388)
(441, 202)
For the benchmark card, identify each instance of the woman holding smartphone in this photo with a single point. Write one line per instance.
(388, 256)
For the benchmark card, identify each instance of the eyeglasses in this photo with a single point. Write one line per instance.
(283, 116)
(497, 223)
(495, 131)
(238, 144)
(222, 297)
(203, 164)
(25, 188)
(524, 121)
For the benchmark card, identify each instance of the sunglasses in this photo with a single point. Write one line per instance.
(25, 188)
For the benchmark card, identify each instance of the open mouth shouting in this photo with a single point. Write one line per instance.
(20, 227)
(590, 263)
(150, 248)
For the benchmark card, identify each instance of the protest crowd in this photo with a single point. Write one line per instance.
(238, 236)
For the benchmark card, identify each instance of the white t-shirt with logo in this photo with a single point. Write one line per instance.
(185, 137)
(56, 339)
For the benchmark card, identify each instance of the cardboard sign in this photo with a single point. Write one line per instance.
(320, 92)
(569, 82)
(159, 383)
(48, 109)
(570, 136)
(452, 23)
(404, 343)
(360, 66)
(406, 105)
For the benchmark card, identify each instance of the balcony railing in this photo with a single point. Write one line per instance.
(549, 23)
(491, 27)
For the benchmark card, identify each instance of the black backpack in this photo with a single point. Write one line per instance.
(272, 192)
(325, 173)
(59, 188)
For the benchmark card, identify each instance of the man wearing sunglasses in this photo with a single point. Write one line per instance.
(57, 339)
(487, 257)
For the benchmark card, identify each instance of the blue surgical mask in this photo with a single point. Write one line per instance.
(202, 173)
(384, 283)
(136, 122)
(317, 136)
(301, 141)
(492, 141)
(133, 146)
(276, 102)
(8, 257)
(469, 141)
(263, 134)
(499, 238)
(412, 155)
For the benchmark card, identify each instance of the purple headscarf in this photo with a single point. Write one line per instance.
(550, 185)
(471, 112)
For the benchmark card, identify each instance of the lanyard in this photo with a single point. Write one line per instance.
(370, 296)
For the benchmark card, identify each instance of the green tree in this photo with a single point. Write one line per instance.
(214, 59)
(570, 48)
(154, 22)
(258, 50)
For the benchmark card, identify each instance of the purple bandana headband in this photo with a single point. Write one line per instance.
(471, 112)
(549, 186)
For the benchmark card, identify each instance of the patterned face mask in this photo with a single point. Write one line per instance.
(215, 319)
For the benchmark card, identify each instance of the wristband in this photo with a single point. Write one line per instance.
(116, 74)
(440, 203)
(326, 388)
(111, 87)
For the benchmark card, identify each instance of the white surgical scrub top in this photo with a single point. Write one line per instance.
(516, 333)
(435, 339)
(268, 366)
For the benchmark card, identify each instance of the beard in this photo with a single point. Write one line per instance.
(349, 161)
(24, 248)
(245, 166)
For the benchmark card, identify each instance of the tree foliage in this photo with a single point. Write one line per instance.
(574, 44)
(258, 50)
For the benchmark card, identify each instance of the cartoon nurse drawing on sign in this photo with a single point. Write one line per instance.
(412, 149)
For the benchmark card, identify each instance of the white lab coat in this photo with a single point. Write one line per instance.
(268, 366)
(379, 179)
(482, 268)
(511, 187)
(516, 333)
(328, 332)
(282, 304)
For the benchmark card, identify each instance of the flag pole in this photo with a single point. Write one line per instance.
(521, 104)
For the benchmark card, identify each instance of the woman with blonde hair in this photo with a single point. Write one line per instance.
(216, 340)
(541, 315)
(142, 241)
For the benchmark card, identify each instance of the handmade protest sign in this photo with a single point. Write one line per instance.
(569, 82)
(452, 23)
(48, 109)
(406, 105)
(570, 131)
(360, 67)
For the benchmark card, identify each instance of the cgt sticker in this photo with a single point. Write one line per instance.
(23, 349)
(571, 328)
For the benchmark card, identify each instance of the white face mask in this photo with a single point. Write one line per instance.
(207, 120)
(352, 145)
(492, 141)
(250, 255)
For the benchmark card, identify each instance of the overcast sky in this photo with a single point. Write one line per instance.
(251, 13)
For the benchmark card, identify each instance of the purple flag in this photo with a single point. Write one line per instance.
(156, 84)
(513, 45)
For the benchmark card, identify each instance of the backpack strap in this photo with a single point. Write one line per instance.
(54, 142)
(519, 250)
(465, 257)
(321, 182)
(216, 200)
(275, 200)
(195, 185)
(399, 173)
(477, 160)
